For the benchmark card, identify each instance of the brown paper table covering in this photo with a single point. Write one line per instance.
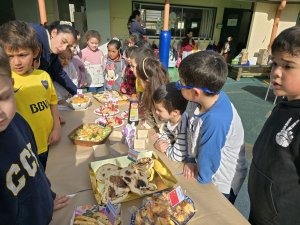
(67, 169)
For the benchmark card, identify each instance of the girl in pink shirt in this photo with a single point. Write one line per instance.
(93, 59)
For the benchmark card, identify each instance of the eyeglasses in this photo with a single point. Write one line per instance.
(179, 87)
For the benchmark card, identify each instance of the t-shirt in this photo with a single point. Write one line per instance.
(94, 66)
(216, 139)
(34, 94)
(26, 197)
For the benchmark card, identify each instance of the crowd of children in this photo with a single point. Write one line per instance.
(194, 120)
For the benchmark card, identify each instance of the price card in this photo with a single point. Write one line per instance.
(112, 212)
(176, 196)
(133, 154)
(79, 91)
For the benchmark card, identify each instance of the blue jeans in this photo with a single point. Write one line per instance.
(231, 196)
(95, 89)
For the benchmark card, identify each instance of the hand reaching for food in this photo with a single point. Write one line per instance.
(60, 202)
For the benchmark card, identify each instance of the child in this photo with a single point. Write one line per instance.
(115, 66)
(128, 85)
(152, 75)
(273, 185)
(136, 56)
(67, 65)
(26, 197)
(78, 64)
(35, 95)
(65, 59)
(226, 50)
(215, 134)
(93, 59)
(170, 106)
(53, 41)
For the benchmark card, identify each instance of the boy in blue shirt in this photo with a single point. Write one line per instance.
(215, 133)
(26, 197)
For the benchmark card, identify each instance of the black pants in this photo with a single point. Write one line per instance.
(231, 196)
(43, 159)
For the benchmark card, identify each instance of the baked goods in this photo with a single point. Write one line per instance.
(157, 210)
(92, 215)
(109, 96)
(114, 183)
(103, 172)
(115, 189)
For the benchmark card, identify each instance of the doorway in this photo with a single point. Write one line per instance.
(7, 11)
(236, 22)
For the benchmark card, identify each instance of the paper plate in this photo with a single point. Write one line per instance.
(124, 115)
(110, 124)
(99, 111)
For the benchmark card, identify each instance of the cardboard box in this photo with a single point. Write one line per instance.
(263, 57)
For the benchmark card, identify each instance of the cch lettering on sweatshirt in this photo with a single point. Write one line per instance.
(28, 165)
(38, 107)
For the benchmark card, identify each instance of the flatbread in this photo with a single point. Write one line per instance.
(144, 165)
(137, 181)
(115, 190)
(104, 172)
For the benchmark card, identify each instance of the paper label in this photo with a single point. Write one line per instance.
(176, 196)
(79, 91)
(134, 112)
(112, 212)
(133, 154)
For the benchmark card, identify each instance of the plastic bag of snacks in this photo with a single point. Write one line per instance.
(91, 215)
(157, 209)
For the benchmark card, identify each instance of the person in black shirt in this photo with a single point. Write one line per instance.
(274, 187)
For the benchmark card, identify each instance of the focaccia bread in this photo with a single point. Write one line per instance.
(115, 190)
(103, 172)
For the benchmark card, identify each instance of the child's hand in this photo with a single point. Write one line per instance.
(190, 170)
(154, 136)
(60, 202)
(54, 136)
(162, 145)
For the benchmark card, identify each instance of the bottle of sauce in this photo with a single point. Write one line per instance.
(133, 112)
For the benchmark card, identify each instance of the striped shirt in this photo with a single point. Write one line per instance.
(176, 134)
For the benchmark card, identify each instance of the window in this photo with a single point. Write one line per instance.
(182, 19)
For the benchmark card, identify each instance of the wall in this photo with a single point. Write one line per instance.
(120, 14)
(27, 10)
(262, 24)
(98, 18)
(51, 10)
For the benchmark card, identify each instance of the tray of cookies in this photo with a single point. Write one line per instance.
(90, 134)
(119, 179)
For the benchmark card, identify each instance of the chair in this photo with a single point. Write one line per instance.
(269, 87)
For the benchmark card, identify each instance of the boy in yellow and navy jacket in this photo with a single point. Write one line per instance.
(34, 91)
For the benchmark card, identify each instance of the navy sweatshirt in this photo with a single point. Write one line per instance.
(25, 194)
(50, 61)
(274, 177)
